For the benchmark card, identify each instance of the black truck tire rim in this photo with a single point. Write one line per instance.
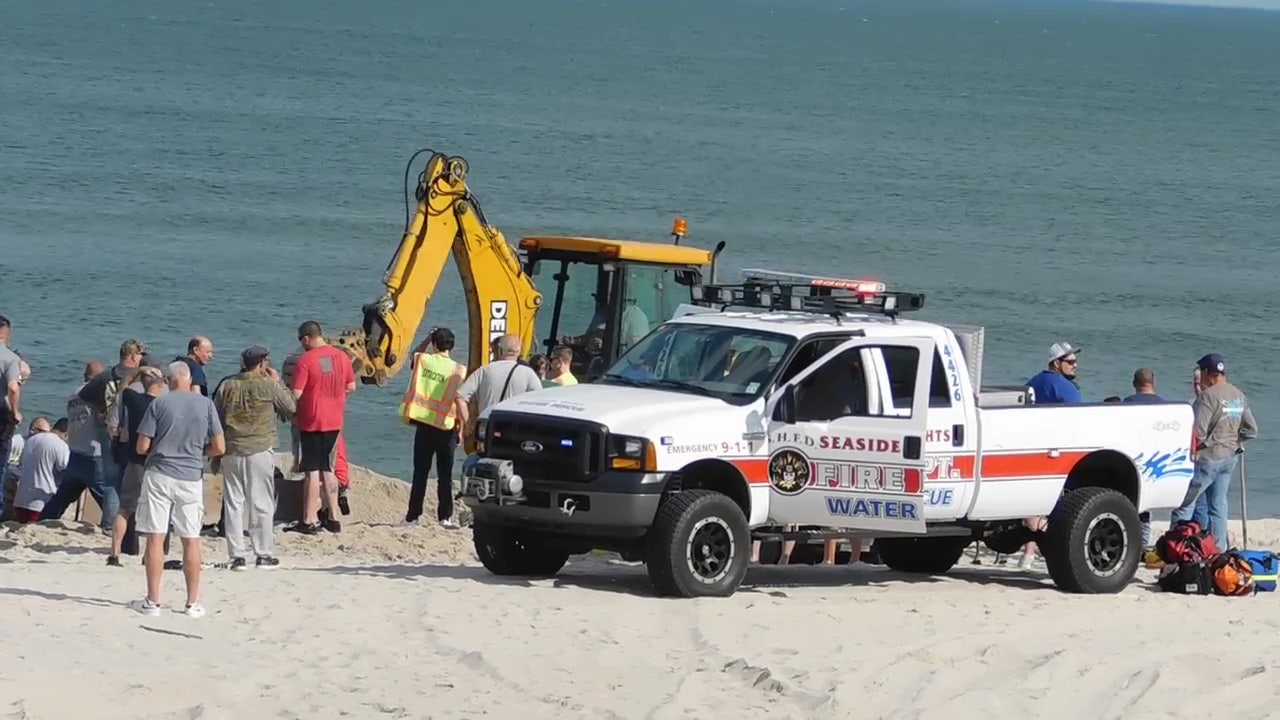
(710, 550)
(1105, 544)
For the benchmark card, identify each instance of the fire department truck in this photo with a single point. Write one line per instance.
(794, 400)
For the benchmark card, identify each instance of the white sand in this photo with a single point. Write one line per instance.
(384, 621)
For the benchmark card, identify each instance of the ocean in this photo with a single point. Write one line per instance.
(1101, 173)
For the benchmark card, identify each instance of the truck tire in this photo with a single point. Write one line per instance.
(1091, 545)
(925, 555)
(508, 551)
(699, 545)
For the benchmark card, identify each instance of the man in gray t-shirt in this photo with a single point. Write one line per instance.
(1223, 422)
(490, 384)
(177, 431)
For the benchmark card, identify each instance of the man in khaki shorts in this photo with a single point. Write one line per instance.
(178, 430)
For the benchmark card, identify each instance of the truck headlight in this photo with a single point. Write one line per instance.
(627, 452)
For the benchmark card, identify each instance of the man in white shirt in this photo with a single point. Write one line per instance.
(44, 456)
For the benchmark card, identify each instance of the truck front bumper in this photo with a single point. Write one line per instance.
(612, 505)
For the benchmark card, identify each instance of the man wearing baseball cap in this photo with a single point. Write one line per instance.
(1223, 423)
(249, 404)
(1056, 383)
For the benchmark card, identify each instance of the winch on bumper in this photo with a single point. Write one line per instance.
(618, 505)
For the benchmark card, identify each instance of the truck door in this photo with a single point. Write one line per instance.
(836, 457)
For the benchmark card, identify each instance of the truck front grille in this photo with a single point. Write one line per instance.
(547, 448)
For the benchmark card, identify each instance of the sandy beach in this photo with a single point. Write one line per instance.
(399, 622)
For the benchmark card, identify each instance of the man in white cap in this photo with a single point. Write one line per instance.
(1056, 383)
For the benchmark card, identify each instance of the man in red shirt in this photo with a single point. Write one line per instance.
(321, 382)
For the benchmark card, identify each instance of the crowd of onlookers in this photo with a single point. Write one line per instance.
(140, 435)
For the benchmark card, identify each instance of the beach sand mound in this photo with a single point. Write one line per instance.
(372, 533)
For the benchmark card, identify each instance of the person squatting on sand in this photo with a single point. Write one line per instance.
(177, 431)
(44, 458)
(248, 405)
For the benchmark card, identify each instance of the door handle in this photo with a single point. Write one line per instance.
(754, 436)
(911, 447)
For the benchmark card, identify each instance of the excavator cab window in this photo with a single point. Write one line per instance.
(603, 309)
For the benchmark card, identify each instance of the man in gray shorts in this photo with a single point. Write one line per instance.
(177, 431)
(132, 406)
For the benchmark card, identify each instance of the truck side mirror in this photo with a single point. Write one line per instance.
(785, 410)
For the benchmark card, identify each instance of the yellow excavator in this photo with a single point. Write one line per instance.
(608, 293)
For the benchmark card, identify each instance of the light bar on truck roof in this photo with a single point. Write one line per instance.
(804, 298)
(866, 287)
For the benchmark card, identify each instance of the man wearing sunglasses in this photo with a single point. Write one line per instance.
(1056, 383)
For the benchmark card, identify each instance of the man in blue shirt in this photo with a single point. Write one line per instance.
(1055, 384)
(199, 354)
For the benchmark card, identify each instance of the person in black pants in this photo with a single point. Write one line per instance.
(432, 443)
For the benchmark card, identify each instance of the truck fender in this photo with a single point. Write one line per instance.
(1109, 469)
(713, 474)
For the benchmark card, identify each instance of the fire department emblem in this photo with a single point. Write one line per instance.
(788, 472)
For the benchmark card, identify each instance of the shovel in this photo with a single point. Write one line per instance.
(1244, 505)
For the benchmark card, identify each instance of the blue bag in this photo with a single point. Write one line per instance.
(1266, 566)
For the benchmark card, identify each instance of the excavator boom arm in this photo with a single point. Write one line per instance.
(501, 298)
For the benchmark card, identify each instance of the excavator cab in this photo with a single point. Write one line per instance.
(608, 294)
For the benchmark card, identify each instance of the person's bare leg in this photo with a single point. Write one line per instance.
(755, 551)
(330, 500)
(855, 550)
(153, 558)
(118, 528)
(311, 499)
(829, 551)
(191, 568)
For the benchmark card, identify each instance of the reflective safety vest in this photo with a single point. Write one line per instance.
(432, 388)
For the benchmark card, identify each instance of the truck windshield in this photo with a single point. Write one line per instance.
(725, 362)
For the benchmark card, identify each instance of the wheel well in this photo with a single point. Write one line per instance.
(1107, 469)
(715, 475)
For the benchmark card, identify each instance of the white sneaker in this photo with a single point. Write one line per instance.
(145, 607)
(195, 610)
(1027, 562)
(449, 524)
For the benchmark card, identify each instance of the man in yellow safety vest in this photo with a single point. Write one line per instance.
(428, 406)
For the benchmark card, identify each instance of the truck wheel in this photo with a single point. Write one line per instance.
(1091, 543)
(507, 551)
(926, 555)
(699, 545)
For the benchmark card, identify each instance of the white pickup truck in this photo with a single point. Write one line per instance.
(796, 400)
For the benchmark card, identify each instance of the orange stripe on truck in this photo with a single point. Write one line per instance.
(1036, 464)
(755, 470)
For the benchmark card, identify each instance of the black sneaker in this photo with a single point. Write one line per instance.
(172, 564)
(114, 561)
(332, 526)
(239, 564)
(303, 528)
(266, 562)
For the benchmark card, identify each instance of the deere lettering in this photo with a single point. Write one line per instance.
(497, 319)
(860, 444)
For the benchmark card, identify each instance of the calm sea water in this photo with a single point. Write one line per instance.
(1101, 173)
